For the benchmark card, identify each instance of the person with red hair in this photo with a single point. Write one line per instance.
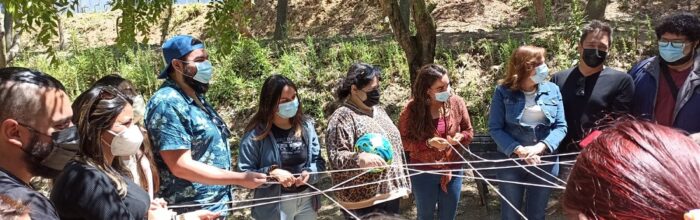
(635, 170)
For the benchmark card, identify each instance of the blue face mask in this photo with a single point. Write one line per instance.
(204, 72)
(541, 73)
(443, 96)
(288, 109)
(671, 54)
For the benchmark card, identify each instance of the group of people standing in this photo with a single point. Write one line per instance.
(113, 155)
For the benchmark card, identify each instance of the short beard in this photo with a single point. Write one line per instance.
(198, 87)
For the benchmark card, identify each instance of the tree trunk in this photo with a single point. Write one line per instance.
(419, 49)
(165, 26)
(11, 48)
(405, 8)
(540, 13)
(61, 34)
(595, 9)
(426, 36)
(7, 25)
(3, 61)
(281, 23)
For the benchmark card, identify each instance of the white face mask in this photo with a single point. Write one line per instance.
(127, 142)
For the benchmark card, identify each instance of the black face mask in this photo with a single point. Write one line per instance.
(594, 57)
(372, 98)
(197, 86)
(48, 159)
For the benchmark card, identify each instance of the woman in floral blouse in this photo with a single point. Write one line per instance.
(359, 94)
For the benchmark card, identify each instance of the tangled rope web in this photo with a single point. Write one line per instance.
(557, 183)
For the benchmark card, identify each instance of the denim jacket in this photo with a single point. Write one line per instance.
(507, 108)
(260, 156)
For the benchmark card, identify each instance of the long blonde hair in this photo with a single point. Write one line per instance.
(520, 64)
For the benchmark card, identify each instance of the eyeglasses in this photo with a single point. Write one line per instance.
(673, 44)
(30, 128)
(581, 86)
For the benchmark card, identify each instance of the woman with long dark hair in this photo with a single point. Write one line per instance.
(96, 184)
(432, 123)
(281, 142)
(141, 165)
(526, 120)
(360, 118)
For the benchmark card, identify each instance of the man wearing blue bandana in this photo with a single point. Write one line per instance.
(667, 87)
(190, 140)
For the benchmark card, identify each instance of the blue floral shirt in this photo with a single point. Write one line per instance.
(175, 122)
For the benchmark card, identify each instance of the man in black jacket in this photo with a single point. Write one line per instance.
(591, 90)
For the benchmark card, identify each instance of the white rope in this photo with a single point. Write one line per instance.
(416, 172)
(442, 172)
(489, 183)
(438, 163)
(521, 166)
(551, 175)
(333, 200)
(261, 199)
(505, 167)
(290, 196)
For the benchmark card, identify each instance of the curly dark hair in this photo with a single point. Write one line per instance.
(681, 23)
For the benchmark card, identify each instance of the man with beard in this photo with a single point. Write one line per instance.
(668, 85)
(190, 140)
(37, 137)
(590, 90)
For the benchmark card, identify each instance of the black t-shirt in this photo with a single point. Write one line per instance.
(293, 152)
(39, 206)
(589, 99)
(84, 192)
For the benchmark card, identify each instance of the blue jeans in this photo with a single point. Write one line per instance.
(428, 193)
(536, 197)
(298, 209)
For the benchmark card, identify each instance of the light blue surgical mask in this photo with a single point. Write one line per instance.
(204, 72)
(541, 73)
(443, 96)
(288, 109)
(670, 53)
